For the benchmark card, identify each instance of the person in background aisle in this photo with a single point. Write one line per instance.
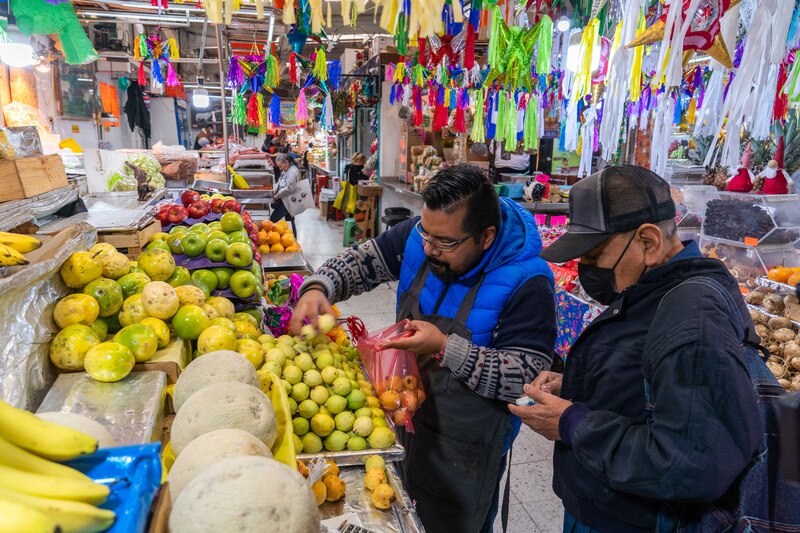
(205, 137)
(353, 173)
(655, 407)
(483, 321)
(307, 160)
(290, 176)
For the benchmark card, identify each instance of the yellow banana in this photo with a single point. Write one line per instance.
(11, 257)
(16, 457)
(71, 517)
(20, 518)
(59, 488)
(21, 243)
(45, 439)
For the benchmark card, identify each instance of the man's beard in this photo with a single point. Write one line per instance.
(441, 270)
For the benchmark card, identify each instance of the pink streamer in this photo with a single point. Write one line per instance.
(302, 107)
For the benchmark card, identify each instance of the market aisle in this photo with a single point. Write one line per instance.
(534, 506)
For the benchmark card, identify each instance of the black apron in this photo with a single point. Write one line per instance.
(453, 460)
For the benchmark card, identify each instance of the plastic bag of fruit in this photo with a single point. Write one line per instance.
(394, 374)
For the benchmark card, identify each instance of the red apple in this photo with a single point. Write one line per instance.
(257, 256)
(162, 213)
(216, 205)
(176, 214)
(248, 226)
(231, 205)
(254, 247)
(199, 209)
(246, 216)
(188, 197)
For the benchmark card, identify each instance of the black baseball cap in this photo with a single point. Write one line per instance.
(618, 199)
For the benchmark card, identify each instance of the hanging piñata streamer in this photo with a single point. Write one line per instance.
(320, 70)
(302, 108)
(530, 135)
(544, 45)
(293, 68)
(327, 113)
(275, 111)
(335, 74)
(262, 114)
(271, 73)
(253, 115)
(238, 114)
(478, 133)
(235, 74)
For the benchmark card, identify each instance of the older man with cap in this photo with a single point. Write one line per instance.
(655, 407)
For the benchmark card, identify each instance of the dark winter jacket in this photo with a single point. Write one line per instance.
(136, 110)
(615, 464)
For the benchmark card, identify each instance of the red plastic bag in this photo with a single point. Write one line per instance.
(394, 373)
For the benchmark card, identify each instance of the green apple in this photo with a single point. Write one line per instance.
(216, 225)
(181, 276)
(258, 314)
(215, 250)
(159, 244)
(160, 236)
(140, 339)
(199, 283)
(239, 236)
(206, 277)
(231, 221)
(224, 322)
(133, 283)
(108, 294)
(218, 234)
(240, 254)
(200, 227)
(223, 276)
(175, 241)
(189, 322)
(194, 243)
(255, 269)
(178, 230)
(243, 284)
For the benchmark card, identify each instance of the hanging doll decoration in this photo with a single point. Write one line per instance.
(160, 53)
(776, 179)
(741, 179)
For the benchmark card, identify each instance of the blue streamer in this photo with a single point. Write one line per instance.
(275, 110)
(335, 74)
(156, 68)
(491, 116)
(392, 94)
(453, 99)
(475, 13)
(793, 38)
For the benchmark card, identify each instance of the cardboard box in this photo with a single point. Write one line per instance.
(31, 176)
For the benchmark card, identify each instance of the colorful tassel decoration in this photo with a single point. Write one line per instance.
(143, 50)
(253, 119)
(327, 113)
(544, 45)
(142, 78)
(293, 68)
(155, 68)
(235, 74)
(469, 48)
(262, 114)
(335, 74)
(459, 123)
(478, 133)
(271, 73)
(174, 53)
(320, 70)
(399, 72)
(238, 114)
(302, 107)
(275, 110)
(172, 76)
(530, 132)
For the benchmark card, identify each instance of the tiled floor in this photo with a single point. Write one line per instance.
(534, 507)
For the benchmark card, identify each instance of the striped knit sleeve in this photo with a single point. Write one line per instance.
(523, 346)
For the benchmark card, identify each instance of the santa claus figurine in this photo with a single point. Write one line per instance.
(776, 179)
(741, 179)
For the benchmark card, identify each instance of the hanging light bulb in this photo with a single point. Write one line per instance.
(200, 99)
(563, 24)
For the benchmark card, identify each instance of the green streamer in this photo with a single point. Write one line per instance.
(501, 116)
(238, 112)
(495, 38)
(263, 119)
(401, 35)
(478, 133)
(510, 123)
(544, 45)
(143, 47)
(530, 132)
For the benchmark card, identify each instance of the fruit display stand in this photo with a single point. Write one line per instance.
(690, 205)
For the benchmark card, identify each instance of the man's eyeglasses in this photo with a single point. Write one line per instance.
(439, 245)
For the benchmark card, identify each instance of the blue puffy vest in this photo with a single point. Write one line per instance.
(512, 260)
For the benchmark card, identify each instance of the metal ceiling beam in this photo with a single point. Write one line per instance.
(185, 8)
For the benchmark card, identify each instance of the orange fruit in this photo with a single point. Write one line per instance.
(794, 279)
(276, 249)
(779, 274)
(273, 237)
(281, 227)
(292, 248)
(262, 237)
(266, 225)
(287, 239)
(264, 248)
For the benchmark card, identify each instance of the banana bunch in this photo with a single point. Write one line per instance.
(37, 494)
(13, 246)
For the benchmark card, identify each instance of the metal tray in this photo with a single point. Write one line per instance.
(401, 518)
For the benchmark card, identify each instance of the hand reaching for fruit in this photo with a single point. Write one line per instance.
(425, 339)
(309, 307)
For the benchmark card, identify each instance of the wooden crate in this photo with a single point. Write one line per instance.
(31, 176)
(130, 242)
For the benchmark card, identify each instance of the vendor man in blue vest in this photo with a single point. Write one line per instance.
(483, 316)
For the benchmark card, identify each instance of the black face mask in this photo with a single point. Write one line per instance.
(601, 283)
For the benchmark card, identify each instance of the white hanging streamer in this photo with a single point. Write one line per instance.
(619, 81)
(587, 141)
(661, 134)
(571, 127)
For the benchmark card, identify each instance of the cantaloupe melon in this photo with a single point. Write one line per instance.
(224, 405)
(83, 424)
(246, 494)
(214, 367)
(209, 449)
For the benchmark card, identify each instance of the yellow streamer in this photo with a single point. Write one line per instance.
(458, 12)
(615, 44)
(328, 22)
(583, 79)
(316, 15)
(174, 53)
(346, 10)
(288, 12)
(229, 11)
(636, 68)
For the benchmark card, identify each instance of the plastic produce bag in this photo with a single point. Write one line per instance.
(283, 448)
(133, 473)
(394, 373)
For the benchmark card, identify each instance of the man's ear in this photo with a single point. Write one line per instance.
(489, 235)
(653, 241)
